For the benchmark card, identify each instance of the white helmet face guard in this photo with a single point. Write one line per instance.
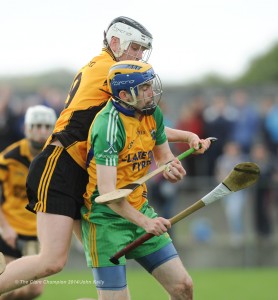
(127, 35)
(144, 57)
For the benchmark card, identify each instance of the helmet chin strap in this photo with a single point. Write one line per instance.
(146, 111)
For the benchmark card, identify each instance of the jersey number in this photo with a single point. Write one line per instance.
(74, 87)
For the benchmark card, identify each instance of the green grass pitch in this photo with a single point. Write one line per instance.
(216, 284)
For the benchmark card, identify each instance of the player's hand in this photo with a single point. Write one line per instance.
(174, 171)
(157, 226)
(195, 142)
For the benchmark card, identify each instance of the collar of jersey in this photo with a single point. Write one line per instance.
(125, 111)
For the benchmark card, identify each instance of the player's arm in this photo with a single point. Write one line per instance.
(106, 181)
(176, 135)
(162, 155)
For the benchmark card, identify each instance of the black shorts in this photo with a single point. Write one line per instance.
(56, 183)
(17, 251)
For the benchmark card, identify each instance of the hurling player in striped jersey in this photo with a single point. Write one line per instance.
(57, 177)
(18, 226)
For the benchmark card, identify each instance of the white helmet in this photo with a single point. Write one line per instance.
(39, 115)
(128, 31)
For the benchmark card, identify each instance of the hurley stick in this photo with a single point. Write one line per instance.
(242, 176)
(123, 192)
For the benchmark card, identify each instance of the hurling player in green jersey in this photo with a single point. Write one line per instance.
(123, 139)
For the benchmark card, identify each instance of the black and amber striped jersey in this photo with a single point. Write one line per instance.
(14, 165)
(85, 99)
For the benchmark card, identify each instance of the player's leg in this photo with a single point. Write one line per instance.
(28, 292)
(167, 268)
(175, 279)
(55, 187)
(111, 283)
(26, 246)
(115, 295)
(101, 237)
(54, 233)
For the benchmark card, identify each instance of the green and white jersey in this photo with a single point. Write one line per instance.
(117, 138)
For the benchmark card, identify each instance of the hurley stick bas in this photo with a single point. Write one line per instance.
(123, 192)
(242, 176)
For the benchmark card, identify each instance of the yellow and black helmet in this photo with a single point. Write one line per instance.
(128, 76)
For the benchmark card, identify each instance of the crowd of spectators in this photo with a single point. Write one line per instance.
(247, 130)
(13, 108)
